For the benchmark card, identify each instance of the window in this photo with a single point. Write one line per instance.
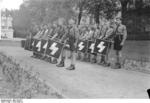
(10, 27)
(4, 27)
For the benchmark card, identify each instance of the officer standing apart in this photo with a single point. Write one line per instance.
(72, 37)
(119, 40)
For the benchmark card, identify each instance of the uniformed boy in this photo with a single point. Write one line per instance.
(84, 36)
(38, 36)
(61, 30)
(103, 30)
(109, 37)
(81, 32)
(46, 37)
(56, 38)
(28, 40)
(97, 35)
(119, 40)
(51, 35)
(71, 36)
(91, 37)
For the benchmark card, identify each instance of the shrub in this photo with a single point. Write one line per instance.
(26, 83)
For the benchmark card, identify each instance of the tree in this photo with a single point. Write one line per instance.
(39, 12)
(49, 10)
(97, 7)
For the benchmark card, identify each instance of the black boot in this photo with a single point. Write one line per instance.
(54, 61)
(61, 64)
(79, 57)
(72, 67)
(106, 64)
(88, 60)
(38, 56)
(87, 57)
(117, 66)
(43, 57)
(94, 60)
(34, 55)
(84, 58)
(48, 59)
(101, 62)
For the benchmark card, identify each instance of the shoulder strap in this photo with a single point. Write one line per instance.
(105, 31)
(101, 29)
(116, 29)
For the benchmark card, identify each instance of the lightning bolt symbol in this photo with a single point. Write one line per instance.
(81, 46)
(101, 47)
(92, 47)
(53, 48)
(32, 43)
(38, 46)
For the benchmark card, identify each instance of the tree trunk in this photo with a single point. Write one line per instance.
(124, 7)
(80, 15)
(97, 14)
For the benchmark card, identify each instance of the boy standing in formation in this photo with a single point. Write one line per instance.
(71, 34)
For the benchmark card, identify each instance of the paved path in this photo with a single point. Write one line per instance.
(88, 80)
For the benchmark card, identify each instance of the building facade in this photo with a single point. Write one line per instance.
(6, 26)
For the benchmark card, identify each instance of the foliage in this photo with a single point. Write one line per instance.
(34, 13)
(97, 8)
(136, 65)
(26, 83)
(46, 11)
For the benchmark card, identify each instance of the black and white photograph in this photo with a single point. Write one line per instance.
(74, 49)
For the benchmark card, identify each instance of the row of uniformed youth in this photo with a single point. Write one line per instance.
(114, 31)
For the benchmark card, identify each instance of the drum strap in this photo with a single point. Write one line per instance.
(101, 30)
(115, 32)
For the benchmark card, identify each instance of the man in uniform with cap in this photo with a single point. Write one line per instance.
(71, 36)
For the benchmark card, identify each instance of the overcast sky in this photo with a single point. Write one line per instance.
(11, 4)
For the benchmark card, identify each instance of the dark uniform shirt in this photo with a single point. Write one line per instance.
(120, 36)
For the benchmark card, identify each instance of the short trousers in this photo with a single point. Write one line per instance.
(117, 42)
(71, 43)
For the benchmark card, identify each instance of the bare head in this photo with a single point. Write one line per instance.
(118, 21)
